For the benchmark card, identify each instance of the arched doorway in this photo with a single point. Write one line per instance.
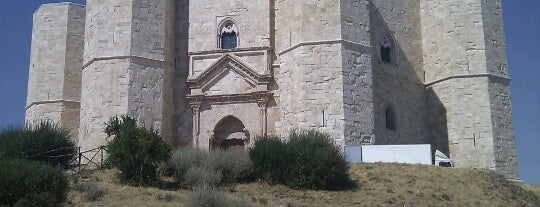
(230, 134)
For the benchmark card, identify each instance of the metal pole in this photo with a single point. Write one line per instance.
(79, 159)
(101, 163)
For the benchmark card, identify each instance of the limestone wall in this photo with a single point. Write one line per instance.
(183, 114)
(324, 76)
(311, 90)
(453, 38)
(104, 94)
(301, 21)
(499, 89)
(56, 59)
(253, 18)
(465, 63)
(108, 30)
(357, 71)
(468, 121)
(309, 77)
(128, 66)
(152, 65)
(503, 128)
(399, 84)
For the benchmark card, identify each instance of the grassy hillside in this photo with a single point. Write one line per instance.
(378, 185)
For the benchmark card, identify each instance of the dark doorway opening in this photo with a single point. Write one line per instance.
(230, 134)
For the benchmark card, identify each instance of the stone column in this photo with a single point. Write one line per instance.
(196, 107)
(263, 116)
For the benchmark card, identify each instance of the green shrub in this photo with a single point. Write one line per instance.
(231, 166)
(184, 158)
(270, 157)
(309, 160)
(209, 196)
(135, 151)
(45, 142)
(316, 162)
(27, 183)
(235, 166)
(197, 175)
(91, 191)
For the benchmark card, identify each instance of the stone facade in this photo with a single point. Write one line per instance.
(54, 86)
(215, 74)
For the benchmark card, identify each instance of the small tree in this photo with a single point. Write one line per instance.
(135, 151)
(30, 183)
(270, 157)
(45, 141)
(316, 163)
(309, 160)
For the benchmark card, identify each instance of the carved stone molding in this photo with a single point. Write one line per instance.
(260, 97)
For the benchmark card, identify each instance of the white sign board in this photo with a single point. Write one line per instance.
(411, 154)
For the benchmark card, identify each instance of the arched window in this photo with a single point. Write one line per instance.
(387, 49)
(228, 34)
(390, 118)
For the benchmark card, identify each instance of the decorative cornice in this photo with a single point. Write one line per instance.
(254, 97)
(362, 47)
(234, 64)
(51, 102)
(467, 76)
(221, 51)
(91, 61)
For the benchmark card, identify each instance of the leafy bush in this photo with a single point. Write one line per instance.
(197, 175)
(231, 166)
(209, 196)
(270, 157)
(135, 151)
(45, 142)
(184, 158)
(309, 160)
(235, 166)
(316, 162)
(91, 191)
(26, 183)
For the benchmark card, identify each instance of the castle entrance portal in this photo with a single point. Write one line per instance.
(230, 134)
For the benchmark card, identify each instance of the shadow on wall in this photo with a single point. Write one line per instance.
(183, 116)
(397, 84)
(420, 116)
(437, 123)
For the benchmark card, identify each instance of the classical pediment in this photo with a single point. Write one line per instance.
(228, 82)
(228, 75)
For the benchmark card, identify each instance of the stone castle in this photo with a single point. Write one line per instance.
(218, 73)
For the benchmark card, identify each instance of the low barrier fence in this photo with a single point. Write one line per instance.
(80, 160)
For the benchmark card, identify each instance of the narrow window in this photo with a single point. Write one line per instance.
(228, 35)
(229, 40)
(390, 118)
(387, 46)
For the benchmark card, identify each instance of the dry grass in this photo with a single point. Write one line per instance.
(378, 185)
(117, 194)
(534, 188)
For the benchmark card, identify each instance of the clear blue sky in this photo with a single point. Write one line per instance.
(522, 21)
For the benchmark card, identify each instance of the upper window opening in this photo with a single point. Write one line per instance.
(390, 118)
(228, 35)
(387, 47)
(229, 40)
